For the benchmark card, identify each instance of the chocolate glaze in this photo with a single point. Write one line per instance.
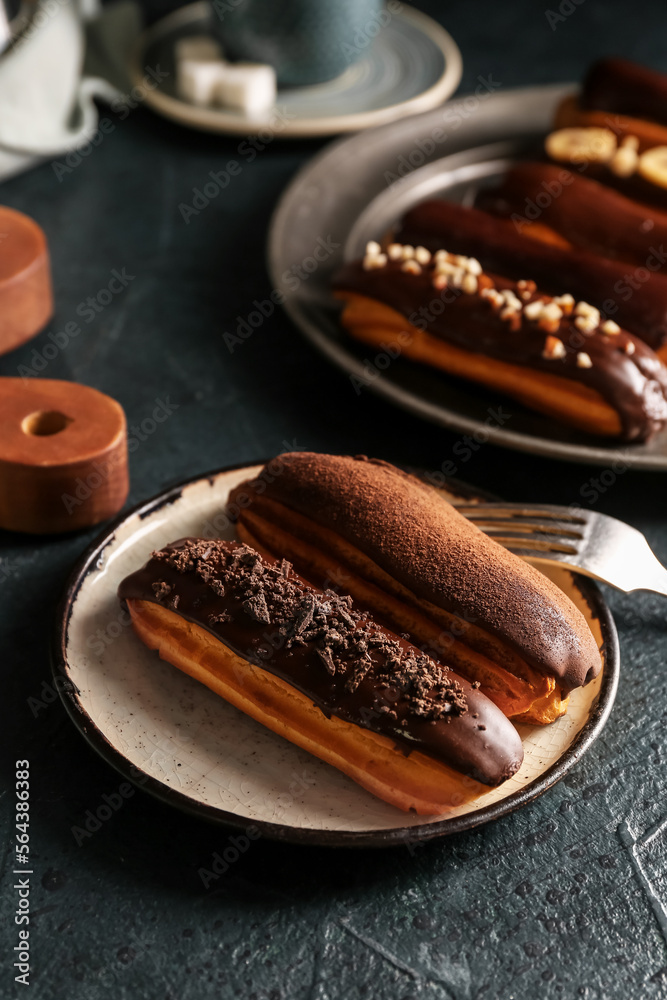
(635, 386)
(635, 187)
(586, 213)
(625, 88)
(496, 243)
(419, 539)
(320, 643)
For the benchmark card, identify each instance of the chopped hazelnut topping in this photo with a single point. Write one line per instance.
(553, 349)
(526, 289)
(474, 266)
(372, 262)
(422, 255)
(469, 284)
(534, 309)
(586, 324)
(411, 266)
(565, 302)
(610, 328)
(440, 281)
(586, 309)
(408, 252)
(373, 248)
(588, 317)
(446, 267)
(584, 360)
(394, 251)
(512, 318)
(624, 161)
(511, 301)
(630, 347)
(551, 311)
(550, 317)
(494, 297)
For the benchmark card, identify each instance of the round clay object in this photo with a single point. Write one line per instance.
(26, 298)
(63, 456)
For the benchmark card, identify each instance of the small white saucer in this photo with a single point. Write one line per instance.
(412, 65)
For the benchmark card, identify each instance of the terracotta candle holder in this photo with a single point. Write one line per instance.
(63, 456)
(26, 298)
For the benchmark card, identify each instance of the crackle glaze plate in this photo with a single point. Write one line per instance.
(357, 189)
(412, 65)
(184, 744)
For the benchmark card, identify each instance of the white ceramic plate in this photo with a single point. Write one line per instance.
(177, 739)
(360, 186)
(412, 65)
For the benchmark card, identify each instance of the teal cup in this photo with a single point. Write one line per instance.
(306, 41)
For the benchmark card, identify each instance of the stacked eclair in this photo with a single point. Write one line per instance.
(364, 619)
(584, 235)
(555, 354)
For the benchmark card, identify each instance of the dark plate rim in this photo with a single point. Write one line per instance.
(383, 385)
(283, 832)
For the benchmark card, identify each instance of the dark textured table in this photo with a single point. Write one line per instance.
(567, 897)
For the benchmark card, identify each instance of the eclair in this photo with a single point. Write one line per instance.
(640, 175)
(501, 246)
(584, 212)
(406, 555)
(552, 353)
(621, 96)
(316, 669)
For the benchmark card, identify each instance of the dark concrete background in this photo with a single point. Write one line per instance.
(554, 901)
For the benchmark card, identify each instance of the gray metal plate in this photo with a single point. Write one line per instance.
(356, 189)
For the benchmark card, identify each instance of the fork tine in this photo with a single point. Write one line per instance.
(476, 510)
(594, 544)
(536, 545)
(526, 527)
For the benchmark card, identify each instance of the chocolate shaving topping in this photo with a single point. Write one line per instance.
(219, 617)
(347, 643)
(256, 607)
(161, 589)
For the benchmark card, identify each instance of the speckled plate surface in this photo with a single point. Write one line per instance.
(356, 190)
(180, 741)
(412, 65)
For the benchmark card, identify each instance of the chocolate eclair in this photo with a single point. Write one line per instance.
(410, 558)
(634, 298)
(637, 170)
(584, 212)
(553, 354)
(314, 668)
(626, 88)
(623, 95)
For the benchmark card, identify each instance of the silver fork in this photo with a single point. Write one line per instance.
(590, 543)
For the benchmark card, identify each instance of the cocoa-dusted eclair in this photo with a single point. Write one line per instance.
(635, 298)
(553, 354)
(407, 555)
(622, 96)
(314, 668)
(586, 213)
(626, 88)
